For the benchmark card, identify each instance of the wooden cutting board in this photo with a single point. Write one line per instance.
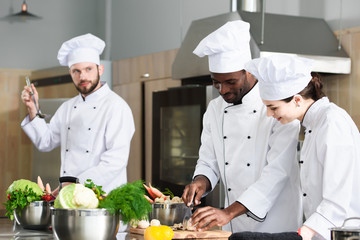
(182, 234)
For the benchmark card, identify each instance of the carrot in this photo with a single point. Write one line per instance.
(149, 199)
(152, 195)
(156, 191)
(40, 183)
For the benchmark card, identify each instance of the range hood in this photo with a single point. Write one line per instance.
(270, 33)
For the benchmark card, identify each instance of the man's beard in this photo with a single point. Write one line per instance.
(93, 86)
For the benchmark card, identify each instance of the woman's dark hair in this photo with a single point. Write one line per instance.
(313, 90)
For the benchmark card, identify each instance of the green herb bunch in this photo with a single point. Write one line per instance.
(129, 200)
(97, 189)
(18, 200)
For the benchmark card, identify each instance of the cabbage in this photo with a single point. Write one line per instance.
(76, 196)
(20, 185)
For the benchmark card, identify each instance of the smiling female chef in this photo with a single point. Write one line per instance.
(94, 128)
(330, 156)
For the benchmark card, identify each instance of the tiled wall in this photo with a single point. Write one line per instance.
(344, 90)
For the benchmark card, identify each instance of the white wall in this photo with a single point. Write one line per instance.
(138, 26)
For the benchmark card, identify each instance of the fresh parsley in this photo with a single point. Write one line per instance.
(97, 189)
(18, 200)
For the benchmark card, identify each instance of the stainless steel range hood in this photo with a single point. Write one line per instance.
(303, 36)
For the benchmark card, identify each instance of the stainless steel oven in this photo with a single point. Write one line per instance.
(177, 126)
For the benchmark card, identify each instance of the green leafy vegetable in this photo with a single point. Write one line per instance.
(168, 192)
(96, 188)
(19, 199)
(129, 200)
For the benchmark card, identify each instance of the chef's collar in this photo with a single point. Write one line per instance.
(95, 96)
(249, 98)
(311, 114)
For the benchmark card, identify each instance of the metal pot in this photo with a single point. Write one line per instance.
(84, 224)
(346, 232)
(34, 216)
(168, 214)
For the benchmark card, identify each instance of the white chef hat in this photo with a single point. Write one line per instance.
(227, 47)
(280, 75)
(84, 48)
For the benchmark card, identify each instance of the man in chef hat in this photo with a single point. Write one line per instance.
(94, 128)
(253, 155)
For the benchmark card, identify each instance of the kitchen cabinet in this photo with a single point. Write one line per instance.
(131, 93)
(144, 68)
(135, 79)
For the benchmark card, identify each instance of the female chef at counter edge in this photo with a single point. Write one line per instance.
(330, 156)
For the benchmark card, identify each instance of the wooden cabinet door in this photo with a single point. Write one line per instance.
(149, 88)
(132, 94)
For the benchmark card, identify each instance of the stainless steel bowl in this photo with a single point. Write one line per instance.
(168, 214)
(34, 216)
(87, 224)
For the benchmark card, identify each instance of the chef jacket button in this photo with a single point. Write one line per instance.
(67, 150)
(225, 111)
(301, 162)
(248, 164)
(64, 171)
(226, 163)
(74, 106)
(304, 194)
(89, 129)
(87, 151)
(94, 107)
(248, 137)
(229, 189)
(68, 128)
(224, 137)
(254, 111)
(309, 131)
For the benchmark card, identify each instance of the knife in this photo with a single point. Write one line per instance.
(187, 215)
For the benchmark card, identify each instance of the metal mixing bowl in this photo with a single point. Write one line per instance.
(87, 224)
(168, 214)
(34, 216)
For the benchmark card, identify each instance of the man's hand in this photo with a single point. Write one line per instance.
(195, 190)
(208, 217)
(28, 101)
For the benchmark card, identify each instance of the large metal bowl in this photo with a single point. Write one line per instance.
(87, 224)
(34, 216)
(168, 214)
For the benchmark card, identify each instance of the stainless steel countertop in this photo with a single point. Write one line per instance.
(10, 230)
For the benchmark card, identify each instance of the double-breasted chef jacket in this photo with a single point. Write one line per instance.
(330, 166)
(255, 157)
(94, 134)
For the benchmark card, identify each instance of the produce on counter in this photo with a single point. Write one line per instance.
(21, 193)
(143, 224)
(76, 196)
(156, 196)
(158, 233)
(127, 199)
(155, 222)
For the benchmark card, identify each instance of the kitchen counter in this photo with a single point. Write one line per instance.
(10, 230)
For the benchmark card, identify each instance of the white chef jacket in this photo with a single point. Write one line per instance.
(255, 156)
(94, 134)
(329, 172)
